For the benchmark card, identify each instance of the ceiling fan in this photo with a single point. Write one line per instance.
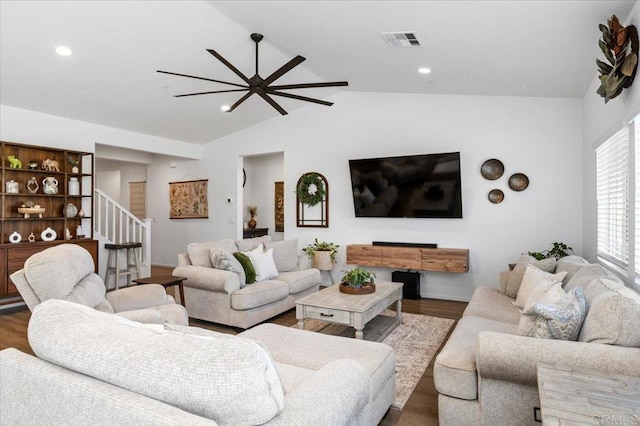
(262, 86)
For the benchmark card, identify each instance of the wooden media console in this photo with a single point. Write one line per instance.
(422, 259)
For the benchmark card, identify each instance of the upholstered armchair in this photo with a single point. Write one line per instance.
(66, 272)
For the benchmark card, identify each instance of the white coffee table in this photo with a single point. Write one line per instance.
(355, 311)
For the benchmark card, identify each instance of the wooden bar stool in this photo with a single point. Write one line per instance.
(130, 251)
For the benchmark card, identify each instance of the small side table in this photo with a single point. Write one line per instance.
(165, 281)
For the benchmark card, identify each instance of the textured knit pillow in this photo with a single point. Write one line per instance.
(249, 244)
(221, 259)
(263, 263)
(249, 270)
(558, 322)
(536, 281)
(585, 275)
(285, 254)
(515, 278)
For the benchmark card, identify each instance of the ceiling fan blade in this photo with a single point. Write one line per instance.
(284, 69)
(309, 85)
(298, 97)
(231, 67)
(207, 93)
(200, 78)
(271, 102)
(241, 100)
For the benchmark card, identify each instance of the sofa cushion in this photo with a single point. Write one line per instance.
(285, 254)
(536, 282)
(200, 253)
(249, 244)
(570, 264)
(613, 316)
(585, 275)
(300, 280)
(515, 278)
(54, 272)
(560, 322)
(247, 266)
(228, 380)
(259, 294)
(222, 259)
(454, 370)
(487, 302)
(262, 261)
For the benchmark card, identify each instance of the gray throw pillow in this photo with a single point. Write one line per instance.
(559, 322)
(585, 275)
(249, 244)
(515, 278)
(285, 254)
(199, 252)
(221, 259)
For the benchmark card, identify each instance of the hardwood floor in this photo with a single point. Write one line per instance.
(421, 409)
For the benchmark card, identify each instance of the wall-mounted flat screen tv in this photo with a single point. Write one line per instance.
(408, 186)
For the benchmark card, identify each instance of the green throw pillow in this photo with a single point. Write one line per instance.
(249, 270)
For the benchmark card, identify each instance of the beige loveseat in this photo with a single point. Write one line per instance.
(94, 368)
(486, 372)
(219, 295)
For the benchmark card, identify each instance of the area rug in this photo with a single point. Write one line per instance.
(414, 342)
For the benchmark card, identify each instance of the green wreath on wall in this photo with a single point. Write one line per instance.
(305, 196)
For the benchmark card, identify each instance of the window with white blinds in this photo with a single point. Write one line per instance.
(612, 171)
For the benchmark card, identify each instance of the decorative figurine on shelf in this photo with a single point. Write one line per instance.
(70, 210)
(67, 234)
(33, 165)
(32, 185)
(32, 238)
(12, 187)
(50, 165)
(50, 185)
(74, 163)
(14, 162)
(81, 213)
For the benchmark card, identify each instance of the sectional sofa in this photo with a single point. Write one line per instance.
(486, 372)
(98, 368)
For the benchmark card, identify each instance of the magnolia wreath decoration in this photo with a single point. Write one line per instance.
(305, 196)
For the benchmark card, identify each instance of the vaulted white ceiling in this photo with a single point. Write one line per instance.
(478, 47)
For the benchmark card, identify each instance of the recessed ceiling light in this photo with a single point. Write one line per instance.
(63, 50)
(424, 70)
(225, 108)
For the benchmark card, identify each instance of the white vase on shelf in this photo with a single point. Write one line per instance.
(74, 186)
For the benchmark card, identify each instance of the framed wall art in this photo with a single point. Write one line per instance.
(188, 199)
(279, 206)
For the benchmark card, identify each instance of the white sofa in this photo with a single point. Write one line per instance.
(486, 372)
(95, 368)
(220, 296)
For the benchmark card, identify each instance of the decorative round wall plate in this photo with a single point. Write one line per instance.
(496, 196)
(492, 169)
(518, 182)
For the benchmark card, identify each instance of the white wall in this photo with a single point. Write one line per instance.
(600, 122)
(539, 137)
(262, 171)
(118, 188)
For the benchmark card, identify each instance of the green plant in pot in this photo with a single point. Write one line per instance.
(558, 250)
(322, 253)
(358, 281)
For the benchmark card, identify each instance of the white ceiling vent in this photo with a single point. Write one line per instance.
(402, 39)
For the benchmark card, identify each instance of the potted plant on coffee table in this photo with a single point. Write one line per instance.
(322, 254)
(358, 281)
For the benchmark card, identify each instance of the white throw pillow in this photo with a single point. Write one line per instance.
(263, 263)
(534, 280)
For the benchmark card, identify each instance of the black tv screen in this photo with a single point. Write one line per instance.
(408, 186)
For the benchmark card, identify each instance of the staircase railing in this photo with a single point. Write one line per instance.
(115, 224)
